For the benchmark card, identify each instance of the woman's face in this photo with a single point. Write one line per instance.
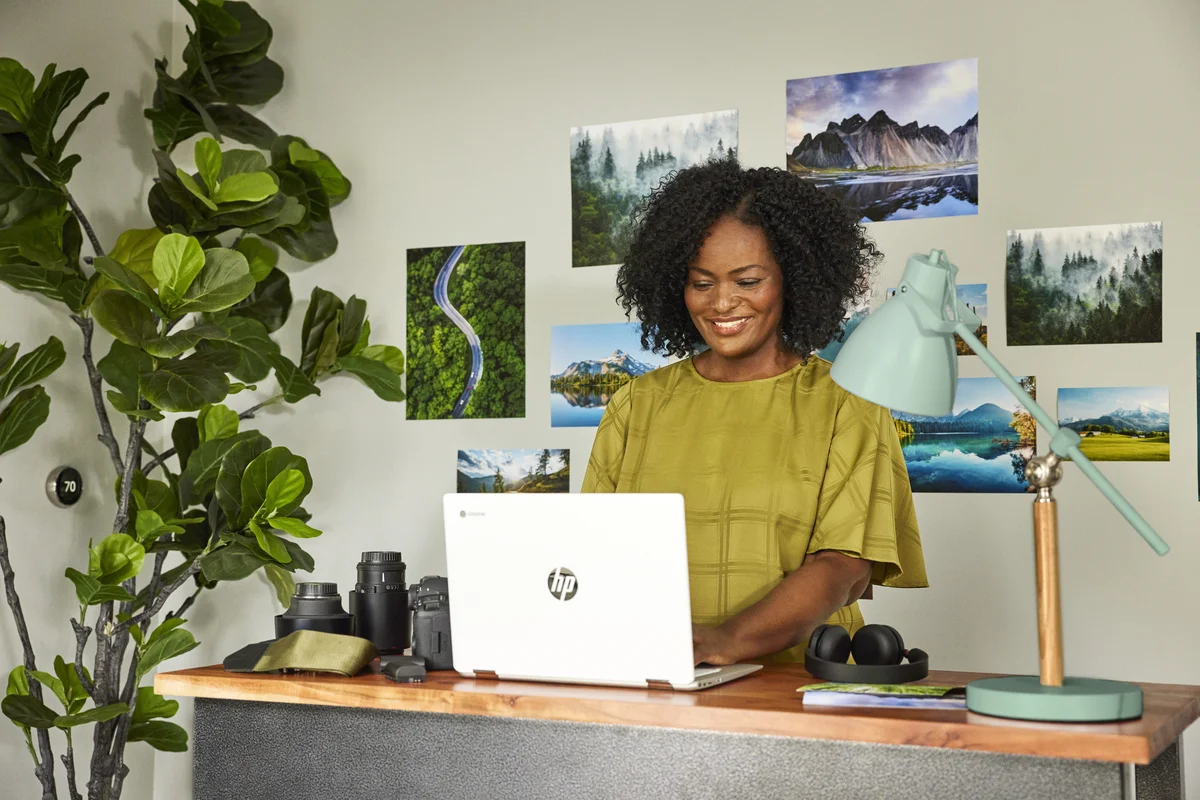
(734, 291)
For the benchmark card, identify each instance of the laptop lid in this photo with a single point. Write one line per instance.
(570, 587)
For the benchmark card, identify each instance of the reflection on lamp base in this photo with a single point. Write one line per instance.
(1077, 700)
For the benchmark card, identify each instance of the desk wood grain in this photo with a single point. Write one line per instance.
(764, 703)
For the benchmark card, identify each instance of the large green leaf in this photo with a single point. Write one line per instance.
(251, 345)
(251, 85)
(199, 477)
(248, 187)
(391, 357)
(133, 283)
(53, 283)
(208, 161)
(152, 706)
(242, 126)
(117, 558)
(283, 583)
(165, 736)
(260, 256)
(131, 408)
(229, 475)
(49, 105)
(195, 189)
(230, 563)
(353, 317)
(293, 384)
(217, 422)
(53, 683)
(21, 417)
(124, 317)
(185, 436)
(315, 239)
(28, 711)
(8, 356)
(91, 592)
(135, 249)
(293, 527)
(376, 375)
(174, 643)
(177, 261)
(76, 695)
(270, 544)
(336, 185)
(236, 162)
(23, 191)
(262, 471)
(122, 366)
(224, 281)
(179, 343)
(61, 144)
(173, 122)
(33, 366)
(150, 526)
(269, 303)
(187, 385)
(16, 89)
(101, 714)
(323, 309)
(283, 491)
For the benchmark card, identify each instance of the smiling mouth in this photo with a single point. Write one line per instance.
(729, 327)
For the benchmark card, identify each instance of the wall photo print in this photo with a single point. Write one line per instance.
(898, 143)
(466, 332)
(974, 297)
(527, 471)
(614, 166)
(1092, 284)
(1123, 423)
(588, 363)
(982, 445)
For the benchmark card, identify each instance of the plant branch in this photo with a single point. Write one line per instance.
(87, 226)
(186, 604)
(161, 600)
(69, 762)
(249, 413)
(81, 636)
(136, 430)
(106, 437)
(45, 770)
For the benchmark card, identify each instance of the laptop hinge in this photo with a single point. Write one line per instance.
(652, 683)
(486, 674)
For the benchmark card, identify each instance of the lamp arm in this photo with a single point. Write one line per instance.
(1046, 421)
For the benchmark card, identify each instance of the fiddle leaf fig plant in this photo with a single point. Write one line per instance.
(193, 302)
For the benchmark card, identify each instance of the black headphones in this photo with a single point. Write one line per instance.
(878, 656)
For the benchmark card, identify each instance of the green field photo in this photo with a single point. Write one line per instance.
(1122, 423)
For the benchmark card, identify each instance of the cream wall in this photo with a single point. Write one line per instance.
(452, 119)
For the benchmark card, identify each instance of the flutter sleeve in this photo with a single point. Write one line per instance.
(608, 451)
(865, 507)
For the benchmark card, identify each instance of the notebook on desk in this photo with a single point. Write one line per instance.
(573, 588)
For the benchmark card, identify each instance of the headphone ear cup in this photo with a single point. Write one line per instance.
(878, 645)
(830, 643)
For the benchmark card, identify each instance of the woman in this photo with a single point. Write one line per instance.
(796, 492)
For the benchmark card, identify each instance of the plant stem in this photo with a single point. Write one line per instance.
(186, 604)
(87, 226)
(106, 437)
(45, 769)
(82, 633)
(249, 413)
(132, 458)
(69, 762)
(160, 601)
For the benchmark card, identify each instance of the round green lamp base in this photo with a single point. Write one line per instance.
(1077, 700)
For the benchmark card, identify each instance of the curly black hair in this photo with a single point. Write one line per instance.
(824, 252)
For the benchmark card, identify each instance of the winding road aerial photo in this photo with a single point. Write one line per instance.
(466, 331)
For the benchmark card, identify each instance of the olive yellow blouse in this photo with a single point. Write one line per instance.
(770, 470)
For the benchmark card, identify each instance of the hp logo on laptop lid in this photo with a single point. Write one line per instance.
(562, 584)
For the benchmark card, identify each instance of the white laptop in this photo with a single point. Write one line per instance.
(573, 588)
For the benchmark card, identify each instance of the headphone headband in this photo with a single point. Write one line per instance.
(914, 669)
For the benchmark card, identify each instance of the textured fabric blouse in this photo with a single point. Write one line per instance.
(770, 470)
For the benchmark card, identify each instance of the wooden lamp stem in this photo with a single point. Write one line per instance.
(1045, 539)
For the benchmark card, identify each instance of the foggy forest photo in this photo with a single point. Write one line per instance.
(614, 166)
(1095, 284)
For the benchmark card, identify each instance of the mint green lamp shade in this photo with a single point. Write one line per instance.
(902, 357)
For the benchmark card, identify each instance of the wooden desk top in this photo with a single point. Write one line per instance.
(763, 703)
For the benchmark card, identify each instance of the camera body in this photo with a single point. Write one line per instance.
(430, 603)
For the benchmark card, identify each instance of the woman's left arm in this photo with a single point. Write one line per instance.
(825, 582)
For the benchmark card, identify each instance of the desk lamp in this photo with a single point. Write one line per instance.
(902, 356)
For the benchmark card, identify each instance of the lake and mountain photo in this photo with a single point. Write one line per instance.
(614, 166)
(588, 363)
(529, 471)
(1119, 423)
(894, 144)
(1091, 284)
(982, 445)
(466, 332)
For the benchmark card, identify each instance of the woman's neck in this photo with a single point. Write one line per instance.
(765, 363)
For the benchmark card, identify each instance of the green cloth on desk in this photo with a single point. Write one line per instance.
(306, 651)
(770, 470)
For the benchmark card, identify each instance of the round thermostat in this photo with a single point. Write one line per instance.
(64, 487)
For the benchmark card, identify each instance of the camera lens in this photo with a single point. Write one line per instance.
(379, 601)
(315, 607)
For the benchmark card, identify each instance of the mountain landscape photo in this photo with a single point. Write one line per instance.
(981, 446)
(588, 363)
(1126, 423)
(614, 166)
(1089, 284)
(899, 143)
(528, 471)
